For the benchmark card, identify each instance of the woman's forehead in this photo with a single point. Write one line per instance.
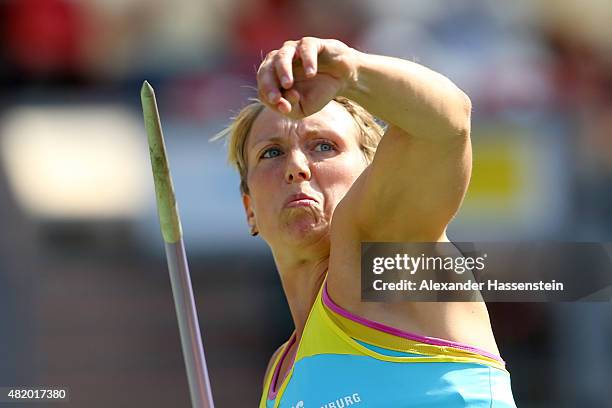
(332, 118)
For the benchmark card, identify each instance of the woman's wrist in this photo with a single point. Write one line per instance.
(353, 62)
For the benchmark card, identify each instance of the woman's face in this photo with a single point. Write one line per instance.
(298, 171)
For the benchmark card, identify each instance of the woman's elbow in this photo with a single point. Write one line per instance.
(461, 114)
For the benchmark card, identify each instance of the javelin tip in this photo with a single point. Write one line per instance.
(164, 191)
(147, 92)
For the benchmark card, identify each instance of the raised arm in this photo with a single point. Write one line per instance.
(421, 169)
(422, 166)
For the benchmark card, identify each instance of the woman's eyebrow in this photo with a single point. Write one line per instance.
(320, 131)
(313, 130)
(271, 139)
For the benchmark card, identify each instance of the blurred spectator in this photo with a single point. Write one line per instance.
(44, 38)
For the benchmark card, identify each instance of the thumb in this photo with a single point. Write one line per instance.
(294, 98)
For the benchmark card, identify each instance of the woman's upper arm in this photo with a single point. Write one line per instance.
(409, 192)
(413, 187)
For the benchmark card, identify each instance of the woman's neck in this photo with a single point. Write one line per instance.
(302, 277)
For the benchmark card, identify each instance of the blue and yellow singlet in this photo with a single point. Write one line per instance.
(345, 360)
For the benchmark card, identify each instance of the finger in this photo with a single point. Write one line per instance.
(308, 49)
(281, 104)
(267, 82)
(283, 64)
(293, 97)
(270, 93)
(284, 106)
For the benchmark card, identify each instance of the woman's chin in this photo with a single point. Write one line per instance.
(305, 232)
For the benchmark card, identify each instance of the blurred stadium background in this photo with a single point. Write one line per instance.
(85, 299)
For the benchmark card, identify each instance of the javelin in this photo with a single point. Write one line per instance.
(191, 341)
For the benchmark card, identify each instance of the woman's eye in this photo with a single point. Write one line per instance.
(324, 147)
(270, 153)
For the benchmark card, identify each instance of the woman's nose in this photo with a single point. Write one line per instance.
(298, 168)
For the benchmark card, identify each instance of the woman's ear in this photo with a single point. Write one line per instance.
(250, 214)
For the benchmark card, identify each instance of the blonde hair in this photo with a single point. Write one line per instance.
(237, 132)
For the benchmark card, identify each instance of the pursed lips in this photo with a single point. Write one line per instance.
(300, 199)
